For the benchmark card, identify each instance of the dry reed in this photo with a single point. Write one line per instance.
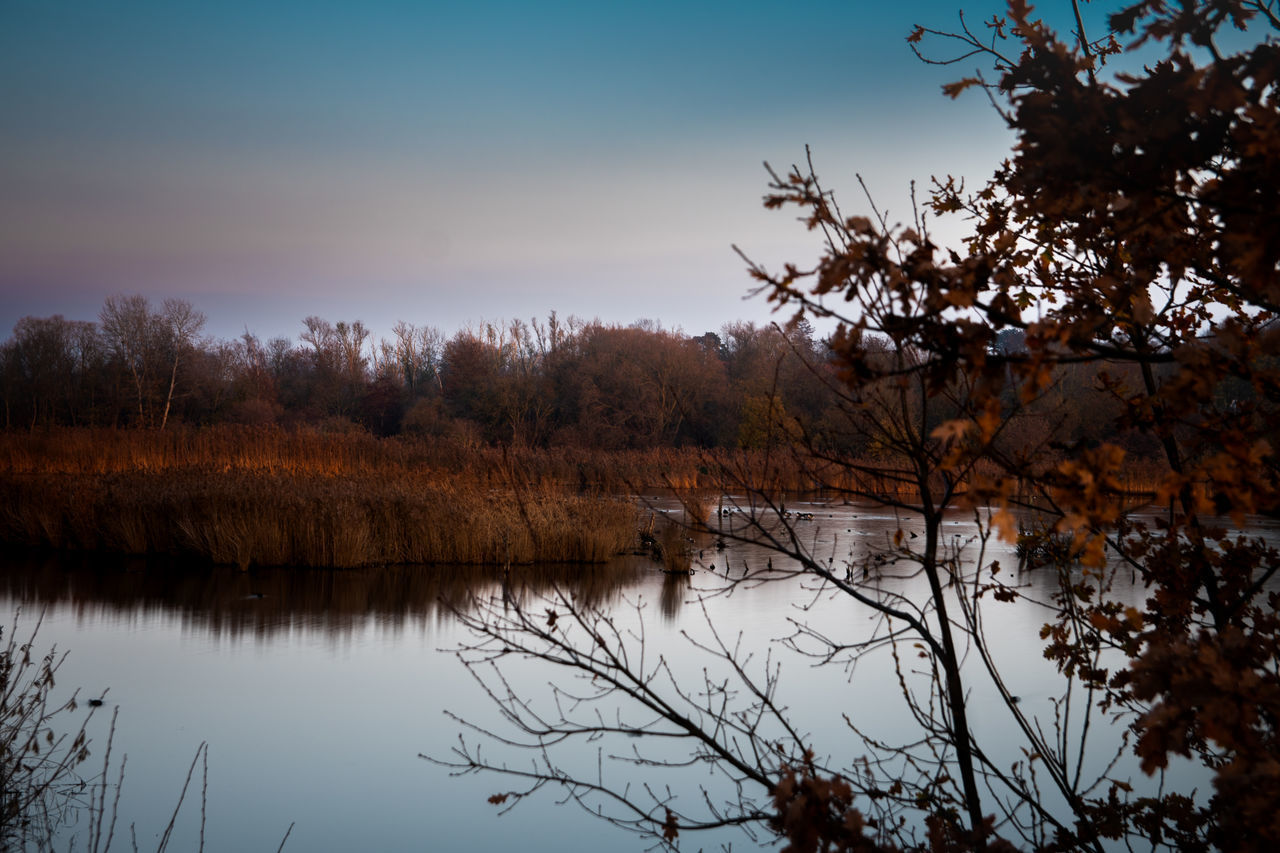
(334, 522)
(276, 451)
(269, 496)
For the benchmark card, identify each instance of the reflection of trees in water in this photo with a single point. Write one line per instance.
(675, 587)
(264, 602)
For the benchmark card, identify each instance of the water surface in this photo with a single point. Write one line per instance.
(317, 691)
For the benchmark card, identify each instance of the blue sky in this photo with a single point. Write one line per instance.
(448, 163)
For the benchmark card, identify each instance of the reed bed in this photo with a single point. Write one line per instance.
(291, 520)
(276, 451)
(248, 496)
(227, 449)
(219, 449)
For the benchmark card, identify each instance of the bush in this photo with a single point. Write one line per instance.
(40, 788)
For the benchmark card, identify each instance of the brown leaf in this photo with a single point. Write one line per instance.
(669, 828)
(953, 90)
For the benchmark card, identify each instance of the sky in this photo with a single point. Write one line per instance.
(450, 163)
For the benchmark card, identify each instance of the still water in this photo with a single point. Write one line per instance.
(317, 692)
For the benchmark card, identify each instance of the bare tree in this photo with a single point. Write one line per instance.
(179, 324)
(151, 344)
(130, 329)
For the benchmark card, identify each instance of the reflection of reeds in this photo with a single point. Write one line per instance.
(675, 586)
(263, 601)
(306, 520)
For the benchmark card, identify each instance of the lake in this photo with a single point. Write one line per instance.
(318, 691)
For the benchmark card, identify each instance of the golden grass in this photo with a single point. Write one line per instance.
(675, 548)
(334, 522)
(227, 449)
(247, 496)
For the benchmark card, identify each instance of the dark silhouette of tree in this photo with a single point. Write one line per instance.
(635, 387)
(416, 355)
(1130, 238)
(471, 375)
(254, 392)
(337, 374)
(52, 369)
(179, 324)
(150, 346)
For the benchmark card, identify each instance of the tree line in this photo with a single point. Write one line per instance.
(538, 383)
(533, 383)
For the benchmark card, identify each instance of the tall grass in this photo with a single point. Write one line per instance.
(306, 520)
(276, 451)
(268, 496)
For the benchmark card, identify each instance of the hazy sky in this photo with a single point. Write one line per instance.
(446, 163)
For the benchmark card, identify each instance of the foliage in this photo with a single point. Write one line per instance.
(1129, 239)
